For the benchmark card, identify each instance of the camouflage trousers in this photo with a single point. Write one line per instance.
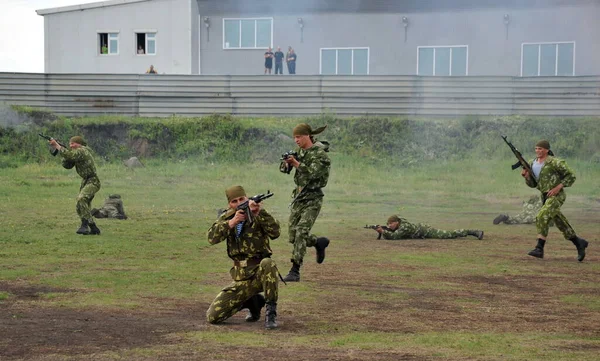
(521, 218)
(302, 218)
(549, 212)
(87, 191)
(427, 231)
(229, 301)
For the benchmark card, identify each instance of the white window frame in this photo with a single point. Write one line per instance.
(450, 63)
(145, 32)
(240, 35)
(108, 36)
(555, 55)
(351, 59)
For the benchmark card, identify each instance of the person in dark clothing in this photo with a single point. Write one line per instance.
(290, 58)
(278, 61)
(268, 61)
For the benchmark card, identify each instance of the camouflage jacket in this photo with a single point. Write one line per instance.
(554, 171)
(406, 230)
(82, 159)
(253, 241)
(312, 174)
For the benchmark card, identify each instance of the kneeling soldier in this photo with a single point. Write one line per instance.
(253, 269)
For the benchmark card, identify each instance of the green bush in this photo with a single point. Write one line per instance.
(224, 138)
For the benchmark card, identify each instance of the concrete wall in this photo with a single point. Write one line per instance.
(71, 38)
(196, 95)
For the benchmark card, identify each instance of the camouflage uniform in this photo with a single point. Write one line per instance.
(407, 230)
(112, 208)
(310, 177)
(554, 171)
(83, 161)
(253, 271)
(530, 209)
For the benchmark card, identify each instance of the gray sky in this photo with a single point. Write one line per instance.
(22, 29)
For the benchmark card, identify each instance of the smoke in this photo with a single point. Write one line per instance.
(10, 118)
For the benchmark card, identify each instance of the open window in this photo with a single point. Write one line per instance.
(108, 43)
(145, 43)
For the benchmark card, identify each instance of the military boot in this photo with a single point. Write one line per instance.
(501, 218)
(477, 233)
(322, 243)
(294, 274)
(83, 229)
(94, 229)
(254, 304)
(538, 251)
(581, 245)
(271, 316)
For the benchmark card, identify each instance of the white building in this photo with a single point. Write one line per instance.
(377, 37)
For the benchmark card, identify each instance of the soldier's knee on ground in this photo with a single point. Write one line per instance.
(213, 317)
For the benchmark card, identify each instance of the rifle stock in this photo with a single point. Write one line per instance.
(521, 162)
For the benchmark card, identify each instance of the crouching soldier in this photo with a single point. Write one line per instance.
(253, 269)
(112, 208)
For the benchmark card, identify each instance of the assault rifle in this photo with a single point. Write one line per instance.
(246, 206)
(54, 152)
(375, 226)
(283, 166)
(521, 161)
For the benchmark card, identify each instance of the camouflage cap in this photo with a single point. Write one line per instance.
(234, 192)
(393, 218)
(305, 129)
(78, 139)
(543, 144)
(114, 196)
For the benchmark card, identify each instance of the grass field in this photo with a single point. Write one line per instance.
(140, 290)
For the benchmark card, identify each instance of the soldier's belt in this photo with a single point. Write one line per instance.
(247, 262)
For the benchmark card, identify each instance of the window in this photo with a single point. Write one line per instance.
(442, 60)
(548, 59)
(145, 43)
(248, 33)
(345, 61)
(108, 43)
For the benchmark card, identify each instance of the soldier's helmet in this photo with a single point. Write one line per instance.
(114, 196)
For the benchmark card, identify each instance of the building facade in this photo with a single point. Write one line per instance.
(343, 37)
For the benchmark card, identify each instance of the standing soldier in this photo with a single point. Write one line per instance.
(80, 157)
(552, 175)
(312, 173)
(400, 228)
(253, 269)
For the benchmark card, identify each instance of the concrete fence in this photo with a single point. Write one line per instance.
(195, 95)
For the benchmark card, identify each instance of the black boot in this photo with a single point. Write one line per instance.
(83, 229)
(294, 274)
(94, 229)
(538, 251)
(501, 218)
(254, 304)
(581, 245)
(477, 233)
(271, 316)
(322, 243)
